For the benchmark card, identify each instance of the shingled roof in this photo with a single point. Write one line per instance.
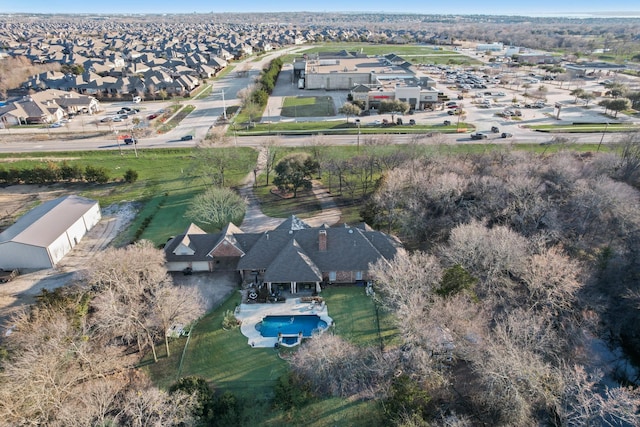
(293, 251)
(292, 263)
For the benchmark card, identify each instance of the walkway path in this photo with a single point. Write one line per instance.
(257, 222)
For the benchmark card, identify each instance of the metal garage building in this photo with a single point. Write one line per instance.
(44, 235)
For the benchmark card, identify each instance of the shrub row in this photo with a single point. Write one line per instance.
(267, 83)
(52, 172)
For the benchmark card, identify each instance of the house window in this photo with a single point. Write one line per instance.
(358, 275)
(332, 276)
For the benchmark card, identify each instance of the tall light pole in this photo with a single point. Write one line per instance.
(224, 106)
(358, 140)
(115, 132)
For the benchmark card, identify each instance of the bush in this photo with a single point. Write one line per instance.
(229, 320)
(130, 176)
(96, 174)
(407, 400)
(198, 387)
(290, 392)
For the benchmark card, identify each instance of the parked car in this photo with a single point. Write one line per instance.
(447, 123)
(186, 138)
(412, 122)
(130, 141)
(495, 129)
(106, 119)
(117, 119)
(151, 116)
(506, 135)
(55, 125)
(454, 112)
(479, 135)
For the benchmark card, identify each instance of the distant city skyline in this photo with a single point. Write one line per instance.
(491, 7)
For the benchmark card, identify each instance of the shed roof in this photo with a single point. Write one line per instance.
(42, 225)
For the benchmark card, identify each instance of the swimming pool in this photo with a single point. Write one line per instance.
(273, 326)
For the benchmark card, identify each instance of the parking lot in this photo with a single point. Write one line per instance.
(491, 98)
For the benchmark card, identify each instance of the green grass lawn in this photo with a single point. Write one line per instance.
(586, 128)
(225, 359)
(305, 205)
(167, 180)
(308, 106)
(341, 127)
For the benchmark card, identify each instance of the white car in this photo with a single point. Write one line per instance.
(55, 125)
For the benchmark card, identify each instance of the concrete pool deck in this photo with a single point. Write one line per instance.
(252, 314)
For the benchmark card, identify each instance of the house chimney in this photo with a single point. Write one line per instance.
(322, 240)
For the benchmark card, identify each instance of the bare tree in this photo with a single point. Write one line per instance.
(146, 405)
(134, 292)
(269, 149)
(335, 367)
(211, 163)
(490, 254)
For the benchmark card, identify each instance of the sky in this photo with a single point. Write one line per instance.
(487, 7)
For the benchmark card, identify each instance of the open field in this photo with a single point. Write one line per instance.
(167, 180)
(308, 106)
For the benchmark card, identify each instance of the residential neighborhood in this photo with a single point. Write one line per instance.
(394, 219)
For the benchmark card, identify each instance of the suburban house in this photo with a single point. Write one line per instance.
(48, 106)
(293, 256)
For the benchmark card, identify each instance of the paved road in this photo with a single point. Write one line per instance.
(208, 109)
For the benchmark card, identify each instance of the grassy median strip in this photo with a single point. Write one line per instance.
(586, 128)
(341, 127)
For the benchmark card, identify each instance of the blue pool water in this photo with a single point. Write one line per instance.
(290, 325)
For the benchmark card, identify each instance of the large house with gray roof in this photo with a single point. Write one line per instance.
(293, 256)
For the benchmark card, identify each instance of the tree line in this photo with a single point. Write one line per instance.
(52, 172)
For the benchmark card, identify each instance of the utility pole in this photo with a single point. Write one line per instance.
(602, 137)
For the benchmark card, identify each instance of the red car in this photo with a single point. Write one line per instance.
(151, 116)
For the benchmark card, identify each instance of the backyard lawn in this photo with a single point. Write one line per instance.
(228, 363)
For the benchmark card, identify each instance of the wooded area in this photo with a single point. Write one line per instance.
(71, 360)
(524, 264)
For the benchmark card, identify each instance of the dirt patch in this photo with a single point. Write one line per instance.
(18, 199)
(215, 287)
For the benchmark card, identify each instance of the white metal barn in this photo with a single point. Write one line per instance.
(45, 234)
